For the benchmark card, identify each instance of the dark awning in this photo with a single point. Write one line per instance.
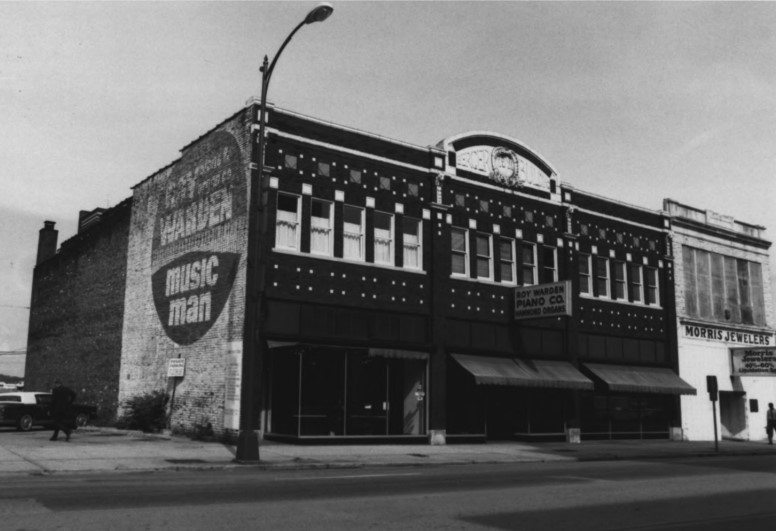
(397, 353)
(490, 371)
(552, 374)
(641, 379)
(523, 373)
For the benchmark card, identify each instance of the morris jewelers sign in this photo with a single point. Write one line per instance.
(726, 335)
(544, 300)
(753, 361)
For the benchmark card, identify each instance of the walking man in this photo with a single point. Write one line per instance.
(771, 425)
(61, 410)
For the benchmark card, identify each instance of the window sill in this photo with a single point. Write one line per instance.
(280, 250)
(483, 281)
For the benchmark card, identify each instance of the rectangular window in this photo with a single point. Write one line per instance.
(459, 244)
(385, 183)
(549, 265)
(601, 276)
(321, 222)
(412, 189)
(383, 238)
(507, 261)
(323, 169)
(652, 286)
(585, 277)
(355, 176)
(528, 263)
(412, 243)
(484, 256)
(744, 292)
(635, 283)
(620, 281)
(287, 224)
(352, 232)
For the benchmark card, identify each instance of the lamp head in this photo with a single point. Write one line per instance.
(319, 13)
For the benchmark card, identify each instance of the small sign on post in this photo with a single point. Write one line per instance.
(711, 387)
(176, 368)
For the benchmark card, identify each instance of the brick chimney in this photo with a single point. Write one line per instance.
(47, 242)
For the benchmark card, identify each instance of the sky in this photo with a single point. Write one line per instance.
(636, 101)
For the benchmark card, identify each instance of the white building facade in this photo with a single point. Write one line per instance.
(725, 322)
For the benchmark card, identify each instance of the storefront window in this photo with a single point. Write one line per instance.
(318, 392)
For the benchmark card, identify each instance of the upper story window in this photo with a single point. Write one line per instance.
(484, 256)
(460, 200)
(506, 211)
(324, 170)
(355, 176)
(287, 224)
(507, 261)
(321, 223)
(723, 288)
(385, 183)
(528, 263)
(549, 264)
(459, 245)
(290, 161)
(635, 283)
(412, 243)
(484, 205)
(383, 238)
(413, 189)
(620, 280)
(651, 286)
(601, 276)
(585, 277)
(352, 232)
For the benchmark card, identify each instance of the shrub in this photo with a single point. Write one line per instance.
(146, 412)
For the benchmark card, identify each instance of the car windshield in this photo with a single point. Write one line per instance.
(43, 399)
(10, 398)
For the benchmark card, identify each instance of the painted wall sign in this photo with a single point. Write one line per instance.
(725, 335)
(753, 361)
(191, 291)
(544, 300)
(503, 166)
(199, 205)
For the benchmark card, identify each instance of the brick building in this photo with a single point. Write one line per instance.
(77, 308)
(725, 321)
(459, 291)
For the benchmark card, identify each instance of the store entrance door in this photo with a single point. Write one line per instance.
(732, 415)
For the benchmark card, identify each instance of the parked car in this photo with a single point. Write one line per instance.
(27, 409)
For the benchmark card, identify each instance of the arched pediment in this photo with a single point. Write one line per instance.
(500, 158)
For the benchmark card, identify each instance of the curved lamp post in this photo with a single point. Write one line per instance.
(248, 438)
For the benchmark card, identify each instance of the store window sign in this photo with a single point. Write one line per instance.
(543, 300)
(753, 361)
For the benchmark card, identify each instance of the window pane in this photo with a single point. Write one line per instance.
(383, 238)
(459, 264)
(528, 254)
(506, 251)
(747, 316)
(411, 242)
(352, 232)
(507, 274)
(458, 240)
(483, 267)
(483, 245)
(321, 209)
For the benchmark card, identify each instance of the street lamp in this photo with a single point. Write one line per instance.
(248, 438)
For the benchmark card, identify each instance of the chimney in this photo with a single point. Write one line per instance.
(47, 242)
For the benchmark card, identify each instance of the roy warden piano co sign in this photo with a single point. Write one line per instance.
(544, 300)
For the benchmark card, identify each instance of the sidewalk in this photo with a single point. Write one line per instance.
(105, 449)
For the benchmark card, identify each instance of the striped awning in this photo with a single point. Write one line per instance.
(523, 373)
(640, 379)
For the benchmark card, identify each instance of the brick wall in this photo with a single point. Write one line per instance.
(76, 314)
(186, 276)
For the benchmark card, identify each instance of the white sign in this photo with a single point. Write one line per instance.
(176, 367)
(544, 300)
(753, 361)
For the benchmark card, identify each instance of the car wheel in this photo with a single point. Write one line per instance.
(25, 423)
(81, 419)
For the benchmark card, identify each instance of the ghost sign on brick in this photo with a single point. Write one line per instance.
(196, 226)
